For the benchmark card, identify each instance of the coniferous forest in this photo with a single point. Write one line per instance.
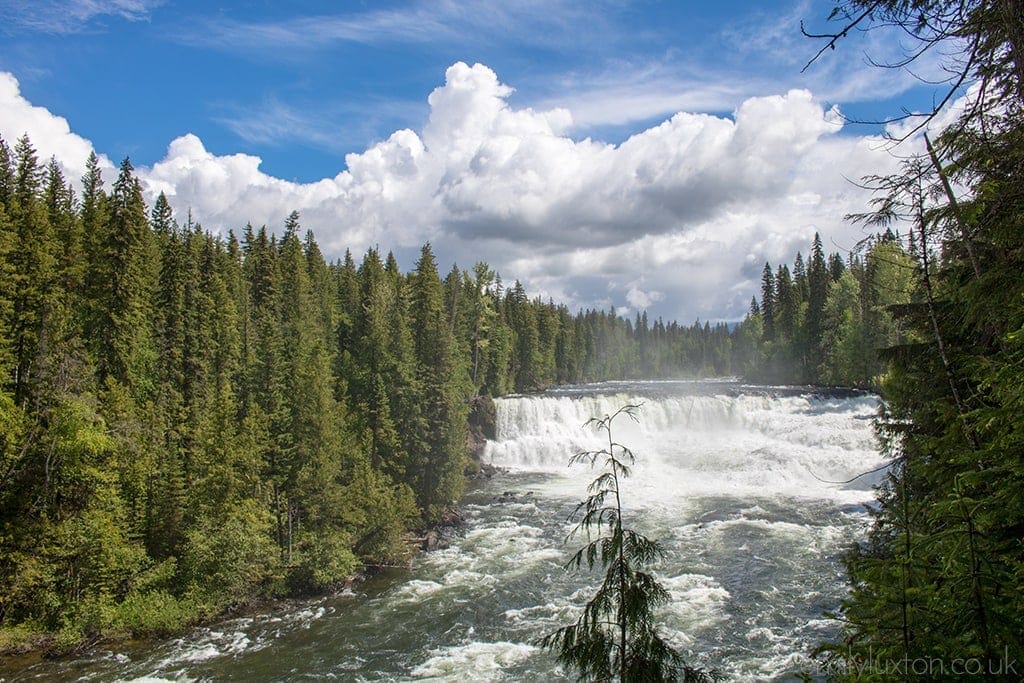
(824, 321)
(190, 423)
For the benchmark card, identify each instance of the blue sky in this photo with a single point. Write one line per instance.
(560, 135)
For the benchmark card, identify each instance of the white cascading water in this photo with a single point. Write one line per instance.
(702, 445)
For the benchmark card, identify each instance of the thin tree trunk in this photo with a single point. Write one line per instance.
(955, 205)
(946, 364)
(291, 508)
(277, 516)
(622, 563)
(978, 595)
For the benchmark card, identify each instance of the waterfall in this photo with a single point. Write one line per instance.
(747, 444)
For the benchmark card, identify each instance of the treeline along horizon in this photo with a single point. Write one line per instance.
(190, 422)
(825, 322)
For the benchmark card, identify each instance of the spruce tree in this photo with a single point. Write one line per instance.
(522, 319)
(125, 353)
(33, 260)
(162, 217)
(7, 294)
(267, 379)
(787, 313)
(381, 372)
(62, 211)
(164, 523)
(6, 175)
(768, 302)
(93, 217)
(800, 279)
(546, 315)
(616, 637)
(817, 284)
(481, 318)
(347, 286)
(443, 388)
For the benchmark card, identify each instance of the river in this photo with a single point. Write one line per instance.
(733, 479)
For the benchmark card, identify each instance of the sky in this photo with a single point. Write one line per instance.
(635, 154)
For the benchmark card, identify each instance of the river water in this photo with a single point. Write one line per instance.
(732, 479)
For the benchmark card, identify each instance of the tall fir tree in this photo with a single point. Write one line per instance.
(768, 302)
(125, 352)
(443, 386)
(34, 270)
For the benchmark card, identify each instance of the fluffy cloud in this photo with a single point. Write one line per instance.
(50, 135)
(679, 218)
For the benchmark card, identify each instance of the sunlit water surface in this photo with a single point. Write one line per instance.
(732, 479)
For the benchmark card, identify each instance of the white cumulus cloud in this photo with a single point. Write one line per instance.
(679, 218)
(50, 135)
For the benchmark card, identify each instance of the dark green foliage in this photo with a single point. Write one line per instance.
(836, 336)
(939, 579)
(175, 438)
(436, 469)
(616, 637)
(32, 256)
(769, 302)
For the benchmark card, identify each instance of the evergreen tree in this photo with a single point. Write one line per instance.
(617, 637)
(163, 217)
(125, 353)
(62, 211)
(526, 361)
(6, 175)
(800, 279)
(482, 317)
(93, 217)
(768, 302)
(267, 380)
(836, 267)
(787, 321)
(814, 320)
(382, 381)
(33, 262)
(939, 575)
(438, 469)
(8, 241)
(164, 523)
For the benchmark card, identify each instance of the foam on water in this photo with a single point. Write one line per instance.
(481, 661)
(698, 601)
(415, 590)
(232, 639)
(503, 547)
(686, 446)
(214, 643)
